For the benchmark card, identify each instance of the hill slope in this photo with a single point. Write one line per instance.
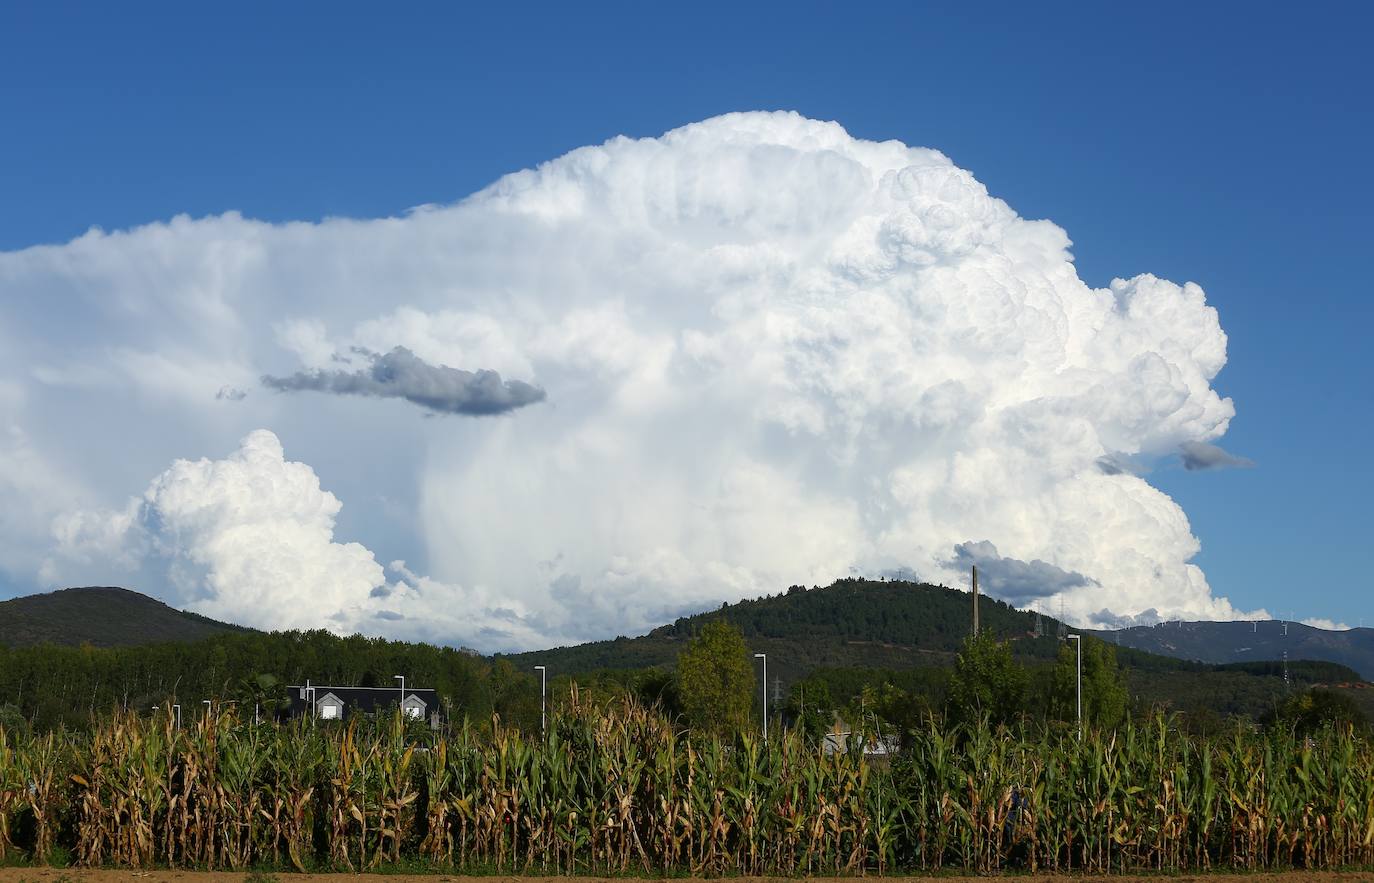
(103, 616)
(861, 631)
(852, 623)
(1221, 642)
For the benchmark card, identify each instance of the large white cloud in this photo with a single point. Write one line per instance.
(772, 353)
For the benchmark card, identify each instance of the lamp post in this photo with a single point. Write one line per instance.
(1078, 652)
(764, 657)
(208, 707)
(402, 679)
(543, 690)
(176, 708)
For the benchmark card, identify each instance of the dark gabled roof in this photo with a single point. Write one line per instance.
(368, 700)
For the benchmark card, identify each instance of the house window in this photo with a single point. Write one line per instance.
(329, 712)
(415, 712)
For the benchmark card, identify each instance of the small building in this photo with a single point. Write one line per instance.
(326, 702)
(840, 741)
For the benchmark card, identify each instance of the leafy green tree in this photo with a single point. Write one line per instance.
(12, 721)
(1105, 697)
(655, 686)
(1308, 712)
(986, 681)
(265, 693)
(716, 679)
(810, 707)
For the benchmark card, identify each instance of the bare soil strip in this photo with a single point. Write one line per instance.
(75, 875)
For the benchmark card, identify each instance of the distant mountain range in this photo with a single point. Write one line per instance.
(102, 616)
(1224, 642)
(852, 623)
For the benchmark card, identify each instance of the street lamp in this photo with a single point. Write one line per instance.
(176, 707)
(543, 689)
(208, 707)
(402, 679)
(1078, 647)
(764, 657)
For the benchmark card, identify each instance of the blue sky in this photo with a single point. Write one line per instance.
(1198, 142)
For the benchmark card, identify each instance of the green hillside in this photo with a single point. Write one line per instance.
(856, 633)
(851, 635)
(102, 616)
(852, 623)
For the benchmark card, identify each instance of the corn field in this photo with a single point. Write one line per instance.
(622, 789)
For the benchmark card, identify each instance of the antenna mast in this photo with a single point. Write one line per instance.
(975, 600)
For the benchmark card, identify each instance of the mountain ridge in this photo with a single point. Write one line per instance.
(900, 624)
(102, 616)
(852, 622)
(1229, 641)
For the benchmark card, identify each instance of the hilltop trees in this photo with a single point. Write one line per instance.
(1306, 713)
(986, 681)
(1105, 698)
(716, 679)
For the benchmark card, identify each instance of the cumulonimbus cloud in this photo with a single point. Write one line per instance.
(250, 538)
(774, 354)
(403, 375)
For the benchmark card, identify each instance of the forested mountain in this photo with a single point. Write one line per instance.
(851, 635)
(852, 623)
(858, 632)
(102, 616)
(1251, 641)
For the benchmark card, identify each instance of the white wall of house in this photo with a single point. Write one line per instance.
(329, 707)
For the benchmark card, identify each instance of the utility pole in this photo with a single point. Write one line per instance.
(543, 690)
(1078, 648)
(975, 600)
(764, 657)
(402, 679)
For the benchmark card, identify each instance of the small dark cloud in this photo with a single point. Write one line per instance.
(389, 615)
(402, 374)
(230, 394)
(1119, 464)
(1012, 580)
(1198, 456)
